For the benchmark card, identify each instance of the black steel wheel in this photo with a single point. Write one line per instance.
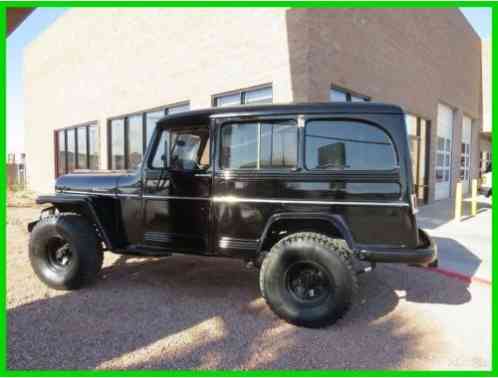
(308, 282)
(308, 279)
(65, 252)
(59, 253)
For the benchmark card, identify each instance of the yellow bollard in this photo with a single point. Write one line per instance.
(458, 201)
(474, 197)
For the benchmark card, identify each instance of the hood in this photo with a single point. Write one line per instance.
(95, 182)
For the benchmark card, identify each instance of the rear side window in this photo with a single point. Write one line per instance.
(349, 145)
(259, 145)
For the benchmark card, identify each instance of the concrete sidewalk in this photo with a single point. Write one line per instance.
(464, 247)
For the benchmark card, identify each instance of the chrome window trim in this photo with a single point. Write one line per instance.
(233, 199)
(176, 197)
(86, 193)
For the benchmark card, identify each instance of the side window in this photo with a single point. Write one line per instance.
(261, 145)
(188, 150)
(347, 145)
(278, 145)
(239, 146)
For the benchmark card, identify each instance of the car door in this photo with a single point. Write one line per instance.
(177, 188)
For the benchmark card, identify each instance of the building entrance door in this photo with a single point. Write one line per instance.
(443, 151)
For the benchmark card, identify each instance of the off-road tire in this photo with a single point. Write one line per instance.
(331, 255)
(85, 248)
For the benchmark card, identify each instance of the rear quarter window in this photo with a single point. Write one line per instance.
(348, 145)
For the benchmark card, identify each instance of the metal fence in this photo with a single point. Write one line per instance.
(16, 171)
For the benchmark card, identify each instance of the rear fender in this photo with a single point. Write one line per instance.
(335, 221)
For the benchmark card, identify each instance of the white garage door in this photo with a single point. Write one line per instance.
(465, 156)
(443, 151)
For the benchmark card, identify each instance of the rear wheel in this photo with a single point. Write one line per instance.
(65, 252)
(308, 279)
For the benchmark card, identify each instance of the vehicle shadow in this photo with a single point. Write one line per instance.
(194, 313)
(456, 257)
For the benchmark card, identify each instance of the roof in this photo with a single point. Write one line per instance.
(15, 16)
(280, 109)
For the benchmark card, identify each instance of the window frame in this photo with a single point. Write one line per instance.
(74, 129)
(258, 121)
(145, 137)
(242, 92)
(395, 168)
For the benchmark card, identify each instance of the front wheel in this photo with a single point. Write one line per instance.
(308, 279)
(65, 252)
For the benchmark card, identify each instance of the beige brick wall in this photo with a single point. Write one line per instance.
(486, 86)
(92, 64)
(411, 57)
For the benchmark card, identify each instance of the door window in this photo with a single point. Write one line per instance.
(188, 150)
(185, 151)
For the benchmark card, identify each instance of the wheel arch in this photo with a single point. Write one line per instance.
(86, 207)
(331, 224)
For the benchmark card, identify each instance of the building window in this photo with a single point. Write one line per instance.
(117, 144)
(81, 158)
(262, 95)
(130, 135)
(76, 148)
(484, 160)
(93, 155)
(268, 145)
(135, 140)
(340, 95)
(443, 158)
(347, 145)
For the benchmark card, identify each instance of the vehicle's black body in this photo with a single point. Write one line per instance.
(244, 213)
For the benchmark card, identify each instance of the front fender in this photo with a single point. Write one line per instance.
(334, 220)
(81, 204)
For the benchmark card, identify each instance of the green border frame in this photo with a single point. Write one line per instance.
(246, 4)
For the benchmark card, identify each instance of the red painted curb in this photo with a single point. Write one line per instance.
(461, 277)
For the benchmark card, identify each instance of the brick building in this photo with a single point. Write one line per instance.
(98, 79)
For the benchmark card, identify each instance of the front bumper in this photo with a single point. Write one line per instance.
(424, 254)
